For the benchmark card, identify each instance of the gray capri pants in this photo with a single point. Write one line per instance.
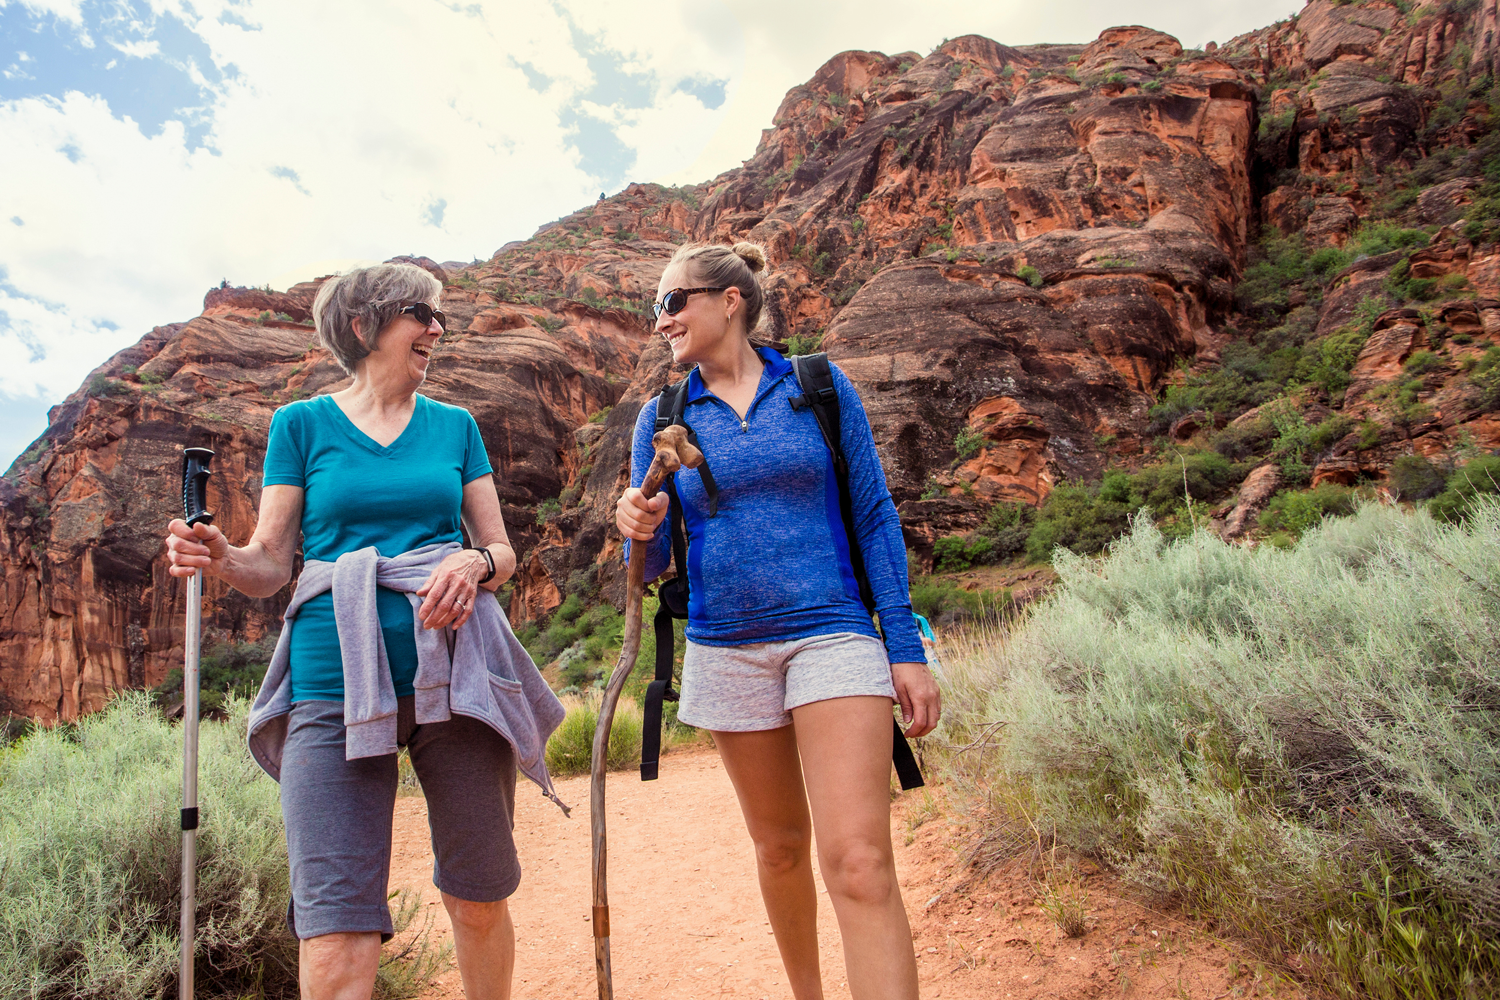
(338, 816)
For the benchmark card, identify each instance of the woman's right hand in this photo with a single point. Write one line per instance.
(637, 517)
(203, 546)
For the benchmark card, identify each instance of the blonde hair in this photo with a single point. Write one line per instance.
(729, 267)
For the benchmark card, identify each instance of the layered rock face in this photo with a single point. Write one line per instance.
(1018, 247)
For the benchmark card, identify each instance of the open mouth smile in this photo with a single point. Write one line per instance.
(424, 351)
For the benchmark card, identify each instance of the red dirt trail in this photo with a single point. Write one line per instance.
(687, 920)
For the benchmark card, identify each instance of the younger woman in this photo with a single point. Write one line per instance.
(783, 664)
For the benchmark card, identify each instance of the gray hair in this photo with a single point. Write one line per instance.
(373, 296)
(726, 267)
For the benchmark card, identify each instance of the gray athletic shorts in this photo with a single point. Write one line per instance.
(743, 689)
(338, 816)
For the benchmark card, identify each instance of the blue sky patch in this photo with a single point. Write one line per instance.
(710, 93)
(433, 213)
(287, 173)
(44, 56)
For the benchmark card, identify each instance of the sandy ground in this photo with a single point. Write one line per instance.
(687, 921)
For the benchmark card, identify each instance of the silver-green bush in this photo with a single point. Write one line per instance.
(90, 863)
(1304, 743)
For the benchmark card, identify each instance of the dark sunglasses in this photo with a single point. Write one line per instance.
(424, 314)
(675, 301)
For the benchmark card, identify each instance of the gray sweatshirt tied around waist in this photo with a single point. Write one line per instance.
(489, 675)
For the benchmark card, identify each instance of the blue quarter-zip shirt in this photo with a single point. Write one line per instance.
(774, 564)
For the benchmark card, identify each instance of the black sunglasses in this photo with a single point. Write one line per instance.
(675, 301)
(424, 314)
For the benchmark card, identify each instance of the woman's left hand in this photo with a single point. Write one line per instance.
(921, 701)
(451, 590)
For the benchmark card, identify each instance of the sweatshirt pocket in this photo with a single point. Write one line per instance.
(508, 700)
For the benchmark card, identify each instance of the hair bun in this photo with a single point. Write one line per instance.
(752, 254)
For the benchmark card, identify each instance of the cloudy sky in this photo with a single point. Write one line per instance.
(150, 148)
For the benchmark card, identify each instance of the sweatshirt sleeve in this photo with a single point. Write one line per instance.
(659, 550)
(877, 527)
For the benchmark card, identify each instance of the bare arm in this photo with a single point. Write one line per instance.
(258, 569)
(452, 587)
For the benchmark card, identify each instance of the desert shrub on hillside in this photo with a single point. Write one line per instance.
(1478, 478)
(1295, 511)
(227, 670)
(1414, 477)
(90, 851)
(1302, 743)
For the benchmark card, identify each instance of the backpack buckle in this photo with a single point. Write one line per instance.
(799, 402)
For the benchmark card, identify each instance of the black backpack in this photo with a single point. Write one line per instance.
(816, 381)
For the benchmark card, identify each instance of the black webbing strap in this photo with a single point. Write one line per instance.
(819, 393)
(906, 761)
(657, 691)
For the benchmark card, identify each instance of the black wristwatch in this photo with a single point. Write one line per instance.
(489, 561)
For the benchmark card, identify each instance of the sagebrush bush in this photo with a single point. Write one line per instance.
(570, 749)
(1303, 743)
(91, 859)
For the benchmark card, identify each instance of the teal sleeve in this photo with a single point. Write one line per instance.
(286, 462)
(476, 461)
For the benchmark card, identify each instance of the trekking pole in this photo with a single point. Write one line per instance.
(672, 452)
(195, 473)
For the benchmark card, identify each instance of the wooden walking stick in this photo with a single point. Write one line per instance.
(672, 452)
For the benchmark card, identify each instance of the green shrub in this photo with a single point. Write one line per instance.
(90, 847)
(226, 670)
(1295, 511)
(967, 443)
(1422, 362)
(1030, 275)
(1480, 477)
(1484, 380)
(1077, 518)
(1413, 477)
(955, 553)
(1006, 526)
(1303, 744)
(944, 602)
(571, 746)
(548, 507)
(799, 343)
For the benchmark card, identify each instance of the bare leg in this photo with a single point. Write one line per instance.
(768, 780)
(485, 942)
(845, 745)
(338, 966)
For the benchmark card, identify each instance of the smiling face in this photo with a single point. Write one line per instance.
(700, 329)
(404, 349)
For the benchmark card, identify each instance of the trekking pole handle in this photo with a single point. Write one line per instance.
(195, 473)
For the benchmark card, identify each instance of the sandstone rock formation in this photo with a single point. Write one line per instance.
(1018, 246)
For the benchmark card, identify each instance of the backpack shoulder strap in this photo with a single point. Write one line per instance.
(815, 378)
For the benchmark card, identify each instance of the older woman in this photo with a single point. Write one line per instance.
(783, 664)
(393, 638)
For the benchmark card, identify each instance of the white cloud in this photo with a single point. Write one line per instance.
(137, 49)
(353, 130)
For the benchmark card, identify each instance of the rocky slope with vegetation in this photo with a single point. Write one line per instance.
(1234, 286)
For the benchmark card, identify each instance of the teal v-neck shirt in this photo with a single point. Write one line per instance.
(357, 493)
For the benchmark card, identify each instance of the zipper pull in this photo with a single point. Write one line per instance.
(744, 426)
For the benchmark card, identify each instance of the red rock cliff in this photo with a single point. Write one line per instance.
(1027, 243)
